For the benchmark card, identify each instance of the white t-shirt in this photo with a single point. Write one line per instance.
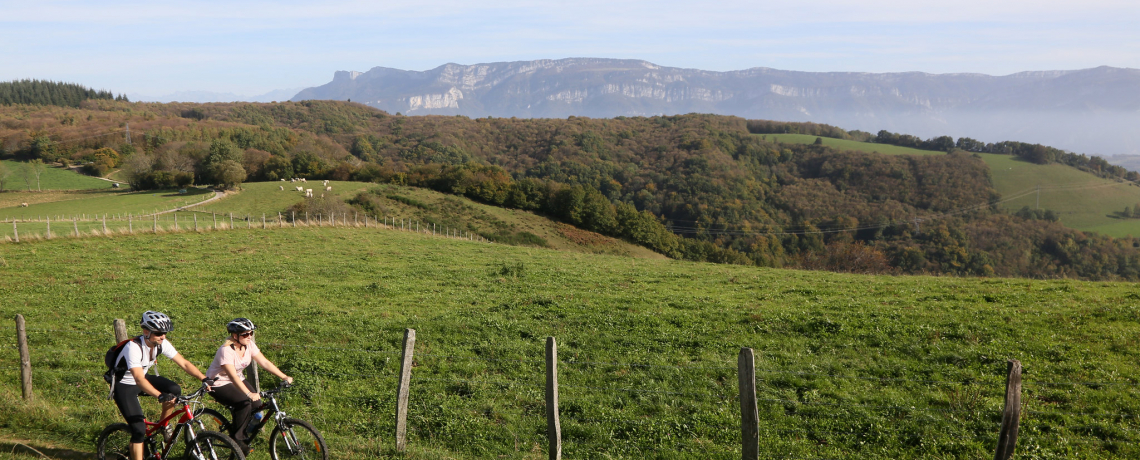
(227, 355)
(142, 356)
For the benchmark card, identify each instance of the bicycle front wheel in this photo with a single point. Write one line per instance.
(114, 443)
(297, 439)
(211, 445)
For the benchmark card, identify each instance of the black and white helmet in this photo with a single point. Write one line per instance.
(240, 325)
(156, 322)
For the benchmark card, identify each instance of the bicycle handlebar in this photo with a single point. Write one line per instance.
(280, 387)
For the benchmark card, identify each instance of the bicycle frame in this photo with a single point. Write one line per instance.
(153, 429)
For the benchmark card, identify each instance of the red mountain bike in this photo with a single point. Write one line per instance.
(115, 441)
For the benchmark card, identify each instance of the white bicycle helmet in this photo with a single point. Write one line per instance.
(240, 325)
(156, 322)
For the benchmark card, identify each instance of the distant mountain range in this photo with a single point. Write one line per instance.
(209, 96)
(1088, 111)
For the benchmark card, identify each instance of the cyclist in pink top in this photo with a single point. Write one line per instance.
(236, 354)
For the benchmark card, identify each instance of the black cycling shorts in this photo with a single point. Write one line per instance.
(127, 398)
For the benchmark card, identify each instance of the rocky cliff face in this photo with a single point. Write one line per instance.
(1089, 110)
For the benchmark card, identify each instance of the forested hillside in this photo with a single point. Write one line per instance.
(697, 187)
(41, 92)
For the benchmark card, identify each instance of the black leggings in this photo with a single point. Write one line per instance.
(127, 398)
(241, 408)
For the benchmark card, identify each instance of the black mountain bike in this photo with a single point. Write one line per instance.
(291, 438)
(115, 441)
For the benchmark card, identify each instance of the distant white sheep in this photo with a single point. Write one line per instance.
(326, 184)
(302, 179)
(23, 205)
(282, 187)
(293, 180)
(282, 180)
(308, 193)
(300, 189)
(328, 189)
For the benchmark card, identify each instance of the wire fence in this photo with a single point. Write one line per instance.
(621, 409)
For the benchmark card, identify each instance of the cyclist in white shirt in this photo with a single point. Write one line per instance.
(140, 354)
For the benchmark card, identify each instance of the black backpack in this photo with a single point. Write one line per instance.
(117, 368)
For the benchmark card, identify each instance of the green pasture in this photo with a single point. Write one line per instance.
(65, 205)
(849, 366)
(843, 144)
(428, 207)
(256, 198)
(1082, 200)
(53, 178)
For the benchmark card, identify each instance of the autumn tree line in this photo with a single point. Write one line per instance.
(695, 187)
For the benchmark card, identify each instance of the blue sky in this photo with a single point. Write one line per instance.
(250, 47)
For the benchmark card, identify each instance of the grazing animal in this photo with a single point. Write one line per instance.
(282, 187)
(328, 189)
(308, 193)
(282, 180)
(23, 205)
(326, 184)
(300, 189)
(302, 179)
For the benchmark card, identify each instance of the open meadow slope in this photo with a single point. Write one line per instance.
(1081, 200)
(849, 366)
(426, 207)
(64, 205)
(52, 178)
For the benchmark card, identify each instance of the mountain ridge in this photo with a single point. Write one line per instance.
(1085, 110)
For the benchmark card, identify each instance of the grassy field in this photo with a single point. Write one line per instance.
(64, 205)
(430, 207)
(849, 366)
(1082, 200)
(53, 178)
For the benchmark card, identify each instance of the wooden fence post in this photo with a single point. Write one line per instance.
(402, 390)
(25, 358)
(263, 221)
(130, 223)
(256, 378)
(749, 417)
(15, 231)
(156, 222)
(1007, 437)
(104, 224)
(176, 221)
(553, 427)
(49, 227)
(195, 222)
(231, 221)
(120, 327)
(75, 226)
(294, 214)
(215, 215)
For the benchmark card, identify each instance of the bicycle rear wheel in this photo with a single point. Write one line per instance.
(297, 439)
(211, 445)
(114, 443)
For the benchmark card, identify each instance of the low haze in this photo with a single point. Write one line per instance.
(162, 48)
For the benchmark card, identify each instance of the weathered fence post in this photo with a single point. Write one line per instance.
(294, 214)
(49, 227)
(355, 219)
(263, 221)
(75, 226)
(156, 222)
(280, 221)
(215, 215)
(306, 218)
(25, 358)
(1007, 437)
(402, 390)
(104, 224)
(231, 221)
(15, 231)
(749, 416)
(130, 223)
(120, 328)
(553, 427)
(253, 375)
(176, 221)
(195, 222)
